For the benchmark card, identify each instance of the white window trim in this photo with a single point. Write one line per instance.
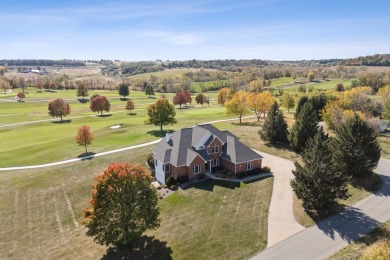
(216, 150)
(215, 162)
(250, 164)
(195, 168)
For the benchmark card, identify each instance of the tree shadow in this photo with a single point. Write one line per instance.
(152, 97)
(384, 189)
(83, 100)
(132, 114)
(104, 115)
(65, 121)
(350, 224)
(87, 156)
(158, 133)
(124, 99)
(254, 123)
(144, 248)
(371, 183)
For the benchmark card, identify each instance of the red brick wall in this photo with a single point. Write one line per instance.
(178, 171)
(228, 165)
(197, 161)
(209, 149)
(242, 166)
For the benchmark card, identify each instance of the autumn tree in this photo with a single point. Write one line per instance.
(21, 96)
(100, 104)
(317, 181)
(84, 136)
(275, 127)
(129, 105)
(58, 108)
(304, 128)
(288, 101)
(339, 87)
(21, 83)
(82, 89)
(260, 103)
(224, 94)
(256, 85)
(123, 205)
(356, 148)
(4, 84)
(149, 90)
(123, 89)
(311, 75)
(200, 99)
(238, 105)
(161, 113)
(182, 97)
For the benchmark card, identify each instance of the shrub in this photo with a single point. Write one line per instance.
(202, 176)
(301, 88)
(182, 179)
(266, 169)
(171, 181)
(150, 161)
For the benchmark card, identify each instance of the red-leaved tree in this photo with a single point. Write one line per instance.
(182, 98)
(129, 105)
(100, 104)
(58, 108)
(21, 96)
(84, 136)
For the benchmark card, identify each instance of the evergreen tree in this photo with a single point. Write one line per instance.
(149, 90)
(317, 181)
(123, 90)
(274, 129)
(303, 100)
(304, 128)
(356, 148)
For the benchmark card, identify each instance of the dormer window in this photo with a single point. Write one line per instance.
(215, 149)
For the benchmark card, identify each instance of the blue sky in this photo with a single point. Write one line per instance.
(180, 30)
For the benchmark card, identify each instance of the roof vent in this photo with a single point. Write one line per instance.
(168, 137)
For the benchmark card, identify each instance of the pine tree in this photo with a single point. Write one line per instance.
(274, 129)
(356, 147)
(317, 181)
(304, 128)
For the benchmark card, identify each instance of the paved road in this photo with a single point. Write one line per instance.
(281, 221)
(330, 235)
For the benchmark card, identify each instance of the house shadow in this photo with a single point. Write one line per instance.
(87, 156)
(158, 133)
(258, 179)
(124, 99)
(62, 122)
(350, 224)
(83, 100)
(145, 248)
(209, 185)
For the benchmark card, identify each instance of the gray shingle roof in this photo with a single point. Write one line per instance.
(179, 150)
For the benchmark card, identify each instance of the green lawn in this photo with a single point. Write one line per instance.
(281, 81)
(324, 85)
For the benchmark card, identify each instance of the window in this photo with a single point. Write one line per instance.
(156, 164)
(166, 168)
(196, 169)
(215, 149)
(249, 166)
(215, 162)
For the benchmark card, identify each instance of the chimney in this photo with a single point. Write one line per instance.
(168, 137)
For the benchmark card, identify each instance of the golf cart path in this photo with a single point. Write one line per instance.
(330, 235)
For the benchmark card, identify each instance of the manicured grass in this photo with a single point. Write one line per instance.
(168, 73)
(216, 220)
(325, 85)
(357, 248)
(281, 81)
(43, 140)
(40, 210)
(197, 88)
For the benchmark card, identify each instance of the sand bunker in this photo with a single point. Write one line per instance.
(116, 126)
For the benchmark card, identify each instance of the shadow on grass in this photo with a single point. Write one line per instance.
(63, 121)
(104, 115)
(124, 99)
(260, 178)
(254, 123)
(145, 248)
(371, 183)
(209, 184)
(83, 100)
(152, 97)
(158, 133)
(87, 156)
(132, 114)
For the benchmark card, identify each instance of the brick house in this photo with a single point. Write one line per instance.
(195, 150)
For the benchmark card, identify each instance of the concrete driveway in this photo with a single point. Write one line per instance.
(281, 221)
(336, 232)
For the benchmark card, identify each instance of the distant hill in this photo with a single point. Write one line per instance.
(373, 60)
(32, 62)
